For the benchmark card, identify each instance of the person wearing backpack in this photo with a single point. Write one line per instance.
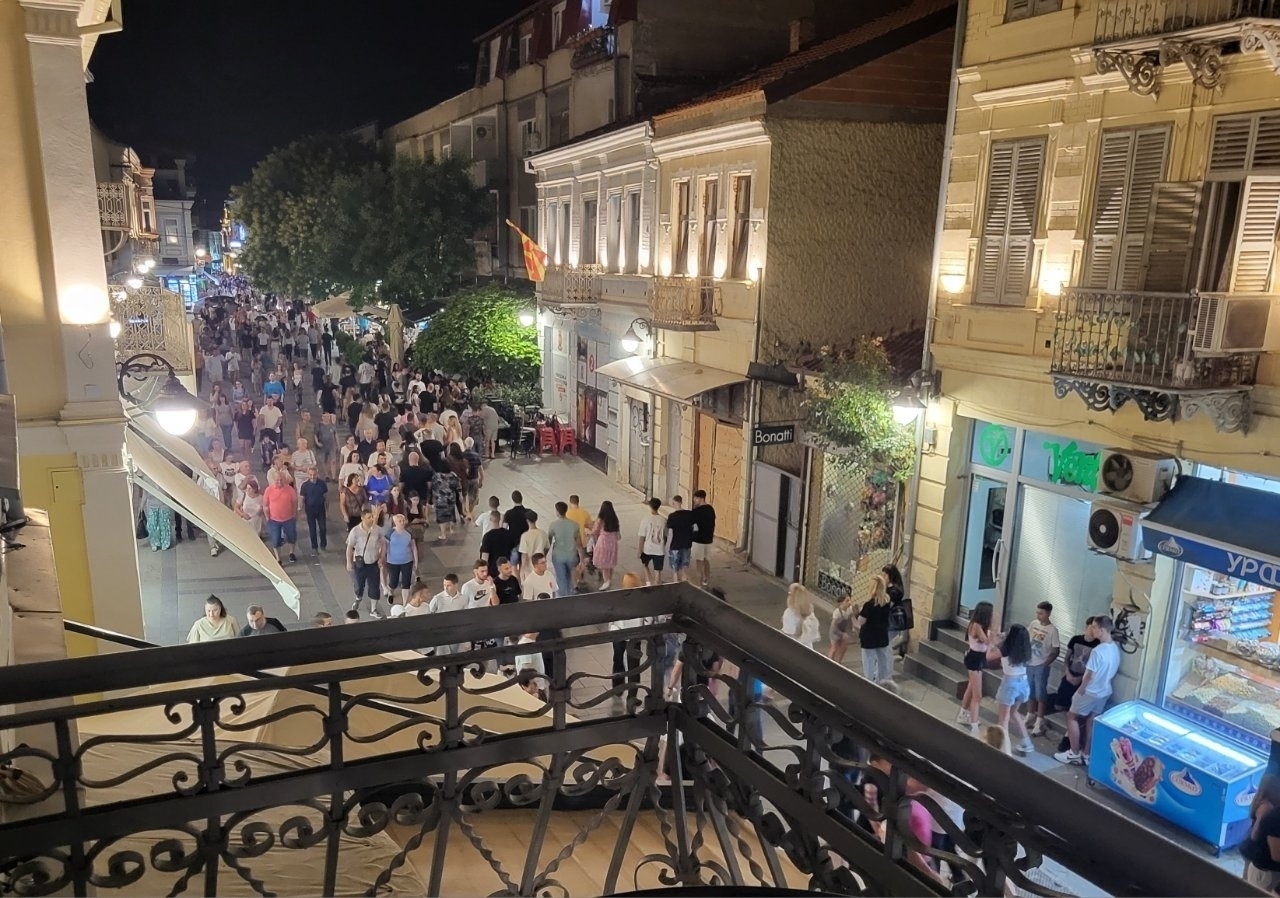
(901, 616)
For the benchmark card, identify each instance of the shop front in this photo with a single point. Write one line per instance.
(1025, 528)
(596, 400)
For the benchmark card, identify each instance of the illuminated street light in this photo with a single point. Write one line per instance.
(133, 282)
(527, 318)
(175, 408)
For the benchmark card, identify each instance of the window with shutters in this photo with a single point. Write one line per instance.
(1010, 213)
(631, 261)
(741, 227)
(1245, 145)
(710, 226)
(587, 248)
(1025, 9)
(552, 231)
(613, 232)
(684, 226)
(1131, 162)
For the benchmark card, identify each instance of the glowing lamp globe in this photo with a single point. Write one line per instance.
(175, 409)
(527, 318)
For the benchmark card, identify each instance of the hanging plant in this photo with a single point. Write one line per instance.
(848, 411)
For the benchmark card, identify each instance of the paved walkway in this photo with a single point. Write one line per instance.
(176, 582)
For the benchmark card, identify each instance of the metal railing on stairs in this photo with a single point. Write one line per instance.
(179, 771)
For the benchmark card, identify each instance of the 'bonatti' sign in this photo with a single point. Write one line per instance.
(1263, 571)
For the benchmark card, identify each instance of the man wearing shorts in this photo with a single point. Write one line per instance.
(680, 523)
(280, 502)
(654, 540)
(1095, 689)
(1044, 651)
(704, 532)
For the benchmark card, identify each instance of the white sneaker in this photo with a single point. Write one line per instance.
(1037, 728)
(1027, 748)
(1069, 757)
(973, 730)
(376, 612)
(963, 717)
(213, 553)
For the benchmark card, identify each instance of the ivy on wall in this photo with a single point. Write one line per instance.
(848, 410)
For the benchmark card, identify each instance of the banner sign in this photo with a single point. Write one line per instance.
(772, 434)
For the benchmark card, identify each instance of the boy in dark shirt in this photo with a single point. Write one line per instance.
(680, 522)
(496, 545)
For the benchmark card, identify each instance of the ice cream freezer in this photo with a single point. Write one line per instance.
(1190, 776)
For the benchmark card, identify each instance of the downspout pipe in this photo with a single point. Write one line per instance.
(935, 268)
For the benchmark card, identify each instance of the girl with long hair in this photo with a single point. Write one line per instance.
(353, 500)
(606, 533)
(1015, 688)
(841, 629)
(798, 620)
(897, 589)
(978, 635)
(873, 628)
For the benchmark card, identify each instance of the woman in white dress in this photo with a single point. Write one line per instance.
(250, 507)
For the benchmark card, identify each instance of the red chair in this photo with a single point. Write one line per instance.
(546, 440)
(568, 440)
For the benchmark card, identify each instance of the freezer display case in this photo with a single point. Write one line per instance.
(1183, 773)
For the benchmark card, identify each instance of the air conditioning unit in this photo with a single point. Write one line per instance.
(1141, 477)
(1231, 324)
(1115, 529)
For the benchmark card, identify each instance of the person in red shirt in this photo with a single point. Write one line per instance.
(280, 503)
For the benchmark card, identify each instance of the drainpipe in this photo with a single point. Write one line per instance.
(948, 147)
(753, 416)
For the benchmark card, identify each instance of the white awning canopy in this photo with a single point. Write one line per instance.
(340, 307)
(669, 377)
(167, 483)
(176, 447)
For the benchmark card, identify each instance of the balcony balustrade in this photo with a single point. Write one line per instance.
(1113, 346)
(1138, 38)
(591, 47)
(115, 206)
(685, 303)
(205, 775)
(153, 320)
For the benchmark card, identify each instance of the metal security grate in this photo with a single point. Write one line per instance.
(856, 522)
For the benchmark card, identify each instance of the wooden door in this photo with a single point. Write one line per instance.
(726, 480)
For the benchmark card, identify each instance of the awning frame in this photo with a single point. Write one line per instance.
(669, 377)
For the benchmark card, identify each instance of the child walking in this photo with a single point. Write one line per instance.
(978, 636)
(799, 621)
(841, 629)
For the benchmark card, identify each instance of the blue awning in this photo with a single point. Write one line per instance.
(1224, 527)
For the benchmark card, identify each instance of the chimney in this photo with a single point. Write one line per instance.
(802, 34)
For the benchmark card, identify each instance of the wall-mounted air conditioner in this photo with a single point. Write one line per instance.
(1231, 324)
(1142, 477)
(1115, 529)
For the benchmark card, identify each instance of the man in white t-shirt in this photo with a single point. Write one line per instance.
(269, 418)
(450, 597)
(478, 591)
(1091, 698)
(654, 541)
(1045, 646)
(539, 581)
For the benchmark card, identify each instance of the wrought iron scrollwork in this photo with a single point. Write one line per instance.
(1141, 71)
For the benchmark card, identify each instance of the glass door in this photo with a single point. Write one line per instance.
(984, 544)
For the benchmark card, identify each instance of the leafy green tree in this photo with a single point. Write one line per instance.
(478, 335)
(850, 410)
(328, 215)
(407, 227)
(289, 209)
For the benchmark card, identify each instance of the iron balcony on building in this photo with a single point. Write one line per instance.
(357, 765)
(685, 303)
(591, 47)
(1111, 347)
(574, 292)
(1138, 38)
(115, 206)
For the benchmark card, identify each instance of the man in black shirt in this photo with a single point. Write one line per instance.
(348, 379)
(704, 531)
(353, 416)
(517, 521)
(326, 340)
(259, 624)
(506, 585)
(384, 420)
(496, 545)
(680, 523)
(328, 396)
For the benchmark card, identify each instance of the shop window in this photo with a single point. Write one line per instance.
(1025, 9)
(993, 445)
(1009, 221)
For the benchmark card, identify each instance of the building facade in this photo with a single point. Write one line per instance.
(55, 308)
(664, 286)
(1106, 310)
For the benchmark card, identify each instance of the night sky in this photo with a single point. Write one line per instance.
(227, 81)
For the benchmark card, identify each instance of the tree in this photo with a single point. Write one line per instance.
(479, 336)
(850, 410)
(328, 215)
(407, 227)
(289, 210)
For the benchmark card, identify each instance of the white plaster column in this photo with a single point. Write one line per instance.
(91, 422)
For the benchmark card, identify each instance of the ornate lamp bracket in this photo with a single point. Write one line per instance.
(1141, 71)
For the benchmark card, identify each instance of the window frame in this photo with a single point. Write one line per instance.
(1019, 10)
(632, 227)
(613, 231)
(557, 24)
(709, 217)
(592, 202)
(526, 49)
(740, 238)
(552, 216)
(681, 201)
(1001, 292)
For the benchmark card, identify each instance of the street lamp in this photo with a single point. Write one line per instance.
(911, 399)
(527, 317)
(133, 282)
(175, 408)
(634, 338)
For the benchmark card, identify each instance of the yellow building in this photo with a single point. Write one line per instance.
(55, 309)
(1107, 281)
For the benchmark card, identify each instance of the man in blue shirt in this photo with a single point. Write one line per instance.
(273, 387)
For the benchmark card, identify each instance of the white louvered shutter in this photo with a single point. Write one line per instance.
(995, 219)
(1017, 9)
(1103, 255)
(1266, 142)
(647, 187)
(1255, 246)
(1150, 154)
(1229, 151)
(1028, 167)
(1171, 232)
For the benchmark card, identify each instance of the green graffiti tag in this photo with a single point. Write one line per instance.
(994, 445)
(1067, 464)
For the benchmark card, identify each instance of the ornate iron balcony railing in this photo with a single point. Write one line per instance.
(1123, 20)
(207, 775)
(582, 285)
(154, 320)
(115, 206)
(685, 303)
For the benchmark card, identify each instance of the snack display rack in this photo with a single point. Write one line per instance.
(1195, 780)
(1224, 657)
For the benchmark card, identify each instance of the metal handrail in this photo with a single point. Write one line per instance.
(1016, 806)
(1124, 20)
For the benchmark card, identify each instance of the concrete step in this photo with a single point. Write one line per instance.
(934, 672)
(953, 638)
(944, 655)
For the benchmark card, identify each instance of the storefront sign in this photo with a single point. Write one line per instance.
(772, 434)
(1069, 465)
(1227, 561)
(995, 444)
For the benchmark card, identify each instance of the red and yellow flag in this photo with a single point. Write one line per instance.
(535, 257)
